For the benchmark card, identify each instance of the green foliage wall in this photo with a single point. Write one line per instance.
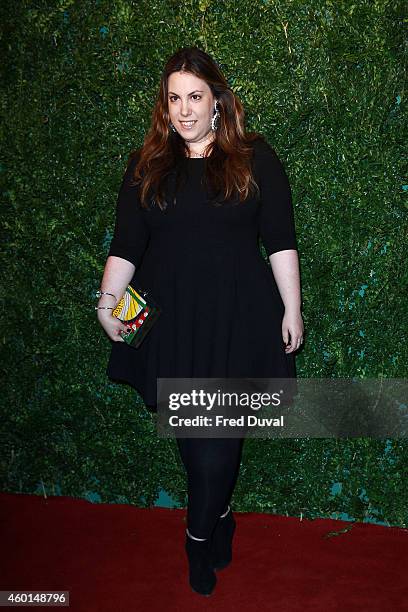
(323, 81)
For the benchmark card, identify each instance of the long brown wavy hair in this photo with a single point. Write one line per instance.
(228, 168)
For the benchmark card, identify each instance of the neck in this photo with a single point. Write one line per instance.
(200, 153)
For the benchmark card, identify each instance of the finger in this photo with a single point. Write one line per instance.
(294, 344)
(121, 332)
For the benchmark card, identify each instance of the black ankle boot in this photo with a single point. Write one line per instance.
(201, 572)
(221, 542)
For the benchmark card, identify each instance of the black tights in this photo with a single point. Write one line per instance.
(212, 466)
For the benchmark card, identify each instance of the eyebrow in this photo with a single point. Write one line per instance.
(190, 94)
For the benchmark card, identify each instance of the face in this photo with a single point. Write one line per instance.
(190, 99)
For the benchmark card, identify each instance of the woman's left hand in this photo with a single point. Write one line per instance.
(292, 325)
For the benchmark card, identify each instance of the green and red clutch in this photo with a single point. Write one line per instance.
(139, 312)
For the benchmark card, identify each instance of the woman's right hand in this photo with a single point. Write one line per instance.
(112, 325)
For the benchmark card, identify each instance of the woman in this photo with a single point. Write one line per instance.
(193, 201)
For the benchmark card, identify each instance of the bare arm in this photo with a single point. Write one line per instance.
(285, 268)
(116, 277)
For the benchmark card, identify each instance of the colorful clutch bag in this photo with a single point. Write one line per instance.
(139, 312)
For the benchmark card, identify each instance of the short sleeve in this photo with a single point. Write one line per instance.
(131, 233)
(276, 218)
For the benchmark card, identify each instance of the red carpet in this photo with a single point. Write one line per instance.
(114, 558)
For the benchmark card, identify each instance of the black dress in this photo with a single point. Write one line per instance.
(221, 308)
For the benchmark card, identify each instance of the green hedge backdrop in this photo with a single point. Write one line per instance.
(323, 81)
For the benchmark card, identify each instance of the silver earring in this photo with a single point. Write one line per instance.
(172, 127)
(214, 125)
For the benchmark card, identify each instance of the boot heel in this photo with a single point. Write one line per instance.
(221, 543)
(201, 573)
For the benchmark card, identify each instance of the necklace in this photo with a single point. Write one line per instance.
(197, 154)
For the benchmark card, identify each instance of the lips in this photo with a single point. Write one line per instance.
(187, 125)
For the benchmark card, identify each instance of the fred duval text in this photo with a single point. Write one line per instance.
(220, 421)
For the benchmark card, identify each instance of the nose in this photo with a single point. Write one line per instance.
(185, 108)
